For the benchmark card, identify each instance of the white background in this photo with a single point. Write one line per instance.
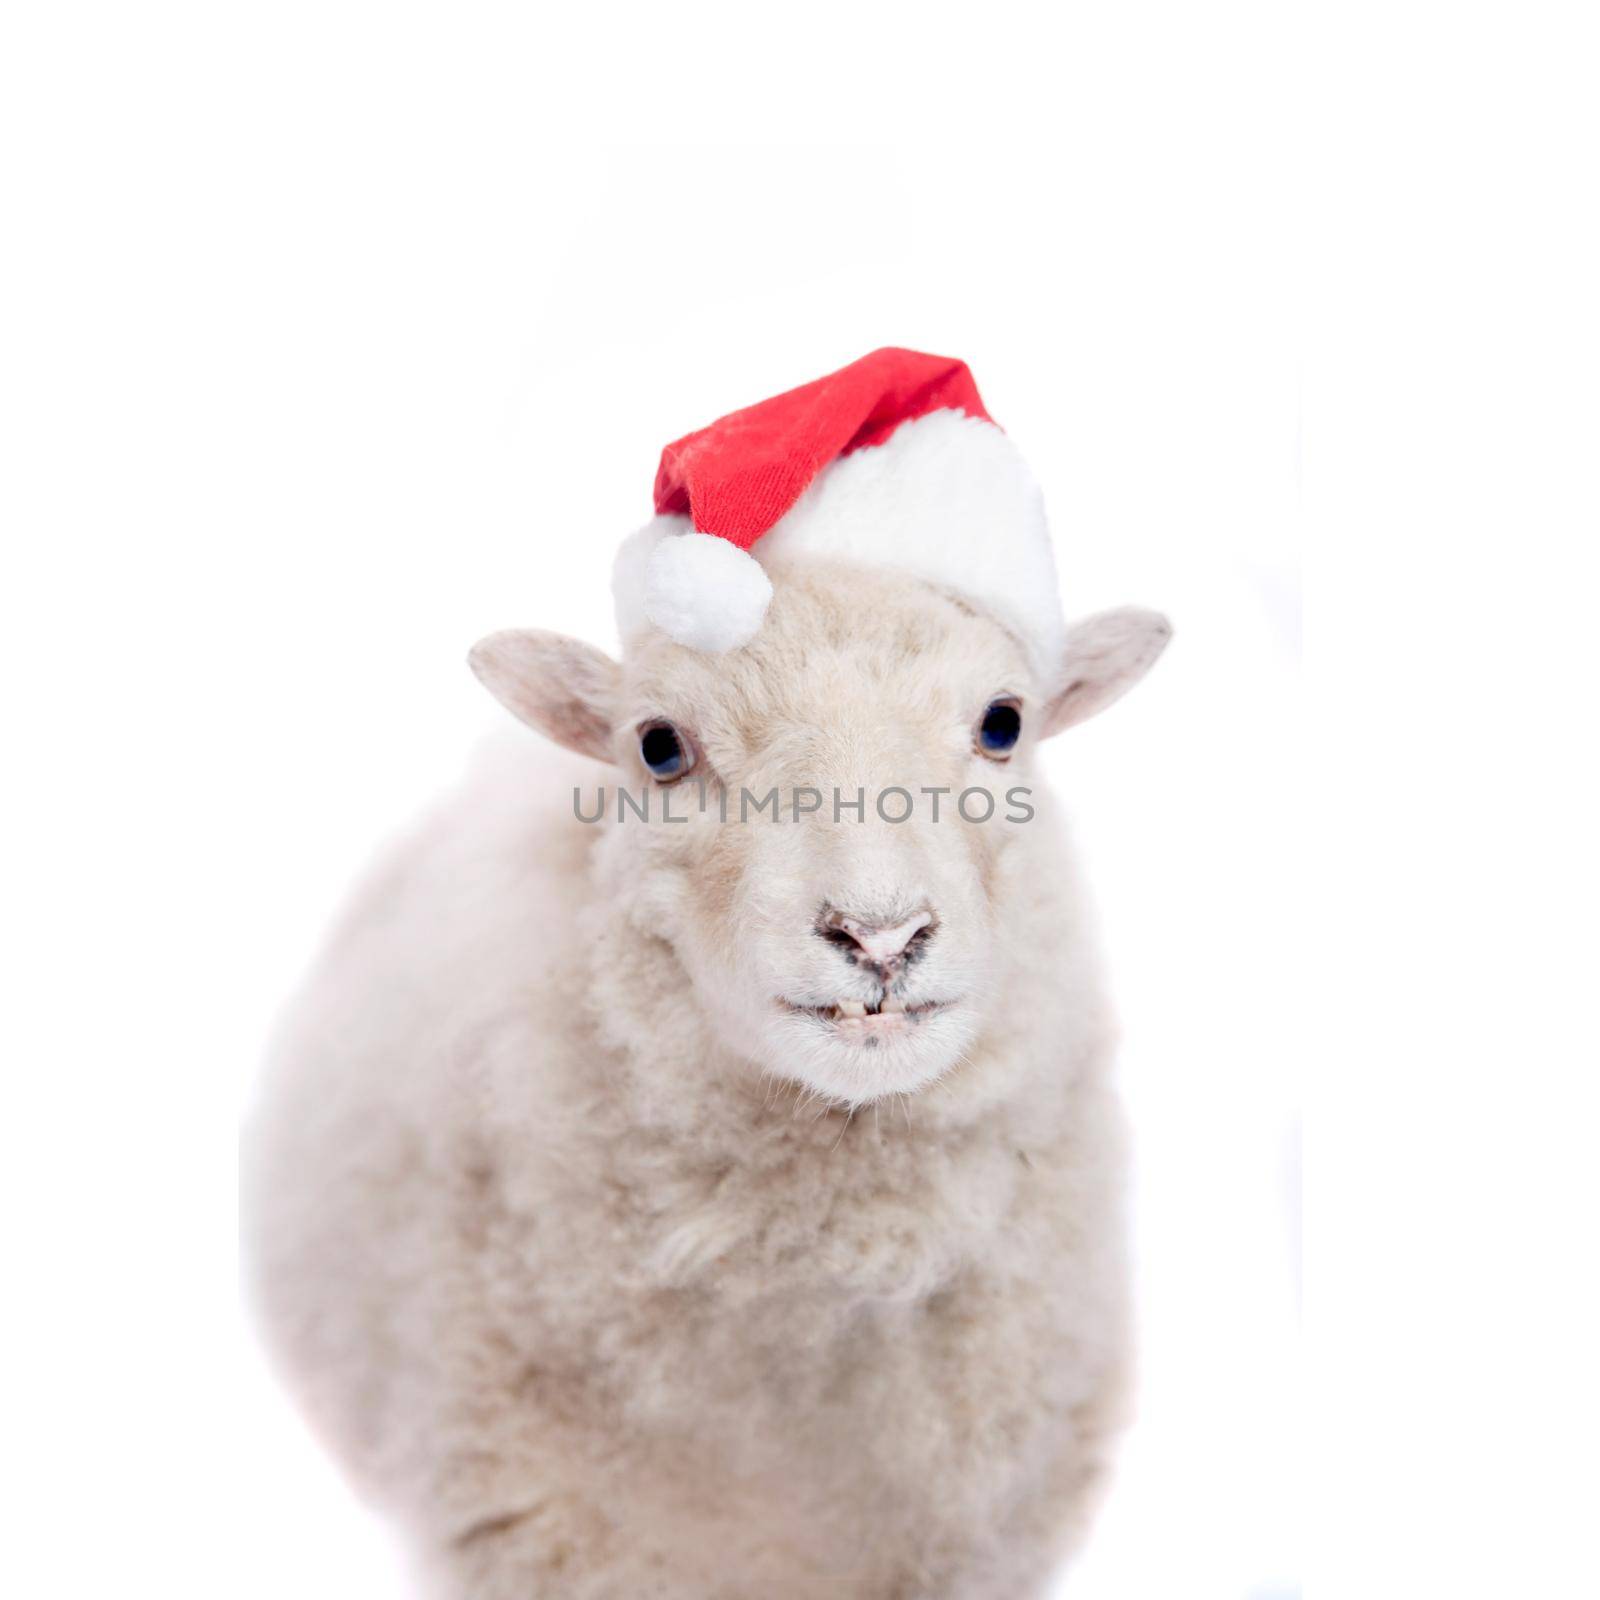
(335, 336)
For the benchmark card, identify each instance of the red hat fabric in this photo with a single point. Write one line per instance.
(737, 477)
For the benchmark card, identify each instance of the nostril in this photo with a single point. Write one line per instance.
(877, 942)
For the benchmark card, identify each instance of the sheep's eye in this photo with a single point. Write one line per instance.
(1000, 728)
(664, 750)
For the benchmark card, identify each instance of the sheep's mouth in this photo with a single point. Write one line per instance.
(868, 1018)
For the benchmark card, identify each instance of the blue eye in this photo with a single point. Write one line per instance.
(1001, 728)
(664, 750)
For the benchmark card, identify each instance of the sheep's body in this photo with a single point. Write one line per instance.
(597, 1310)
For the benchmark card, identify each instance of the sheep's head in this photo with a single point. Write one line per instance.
(833, 944)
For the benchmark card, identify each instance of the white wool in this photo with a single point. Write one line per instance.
(604, 1274)
(947, 498)
(705, 592)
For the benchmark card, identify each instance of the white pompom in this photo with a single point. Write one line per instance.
(705, 592)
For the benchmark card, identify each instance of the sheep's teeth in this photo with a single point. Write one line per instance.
(891, 1003)
(852, 1008)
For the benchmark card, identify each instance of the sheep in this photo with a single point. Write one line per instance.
(612, 1237)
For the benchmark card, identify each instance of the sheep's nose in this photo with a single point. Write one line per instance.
(885, 947)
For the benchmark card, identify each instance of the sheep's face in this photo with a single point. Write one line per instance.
(835, 815)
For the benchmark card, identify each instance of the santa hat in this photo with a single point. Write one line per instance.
(891, 462)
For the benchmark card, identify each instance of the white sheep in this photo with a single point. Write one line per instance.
(715, 1201)
(603, 1241)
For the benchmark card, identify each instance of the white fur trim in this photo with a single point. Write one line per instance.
(949, 499)
(705, 592)
(628, 570)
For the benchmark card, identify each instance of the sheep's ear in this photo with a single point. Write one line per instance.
(563, 687)
(1106, 655)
